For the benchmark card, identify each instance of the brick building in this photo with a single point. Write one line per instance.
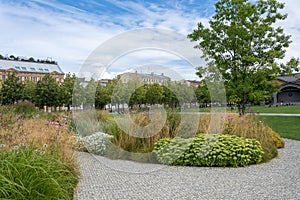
(30, 70)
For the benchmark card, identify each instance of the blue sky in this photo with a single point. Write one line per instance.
(69, 31)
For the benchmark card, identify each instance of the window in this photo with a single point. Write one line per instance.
(24, 68)
(41, 69)
(3, 77)
(20, 78)
(46, 70)
(17, 68)
(32, 68)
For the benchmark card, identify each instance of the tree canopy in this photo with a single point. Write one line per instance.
(11, 90)
(246, 47)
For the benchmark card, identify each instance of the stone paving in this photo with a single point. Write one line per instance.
(102, 178)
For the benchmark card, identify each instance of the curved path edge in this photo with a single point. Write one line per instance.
(276, 179)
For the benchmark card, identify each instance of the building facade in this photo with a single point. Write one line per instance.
(145, 78)
(289, 90)
(30, 70)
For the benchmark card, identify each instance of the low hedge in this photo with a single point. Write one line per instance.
(219, 150)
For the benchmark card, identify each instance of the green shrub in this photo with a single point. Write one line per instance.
(26, 173)
(25, 107)
(209, 150)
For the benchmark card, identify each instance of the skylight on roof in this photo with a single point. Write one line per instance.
(17, 67)
(47, 70)
(32, 68)
(24, 68)
(41, 69)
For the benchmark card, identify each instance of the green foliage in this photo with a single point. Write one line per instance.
(154, 93)
(202, 94)
(78, 95)
(287, 127)
(29, 91)
(209, 150)
(67, 89)
(249, 127)
(11, 90)
(47, 92)
(244, 46)
(27, 173)
(102, 96)
(24, 107)
(89, 92)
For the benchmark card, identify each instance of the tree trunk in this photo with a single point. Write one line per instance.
(241, 109)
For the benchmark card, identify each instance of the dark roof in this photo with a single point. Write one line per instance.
(290, 79)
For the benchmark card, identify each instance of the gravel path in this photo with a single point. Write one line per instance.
(115, 179)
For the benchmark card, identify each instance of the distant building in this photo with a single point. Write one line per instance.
(30, 70)
(192, 83)
(289, 90)
(145, 78)
(104, 82)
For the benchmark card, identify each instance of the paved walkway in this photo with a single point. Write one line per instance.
(103, 178)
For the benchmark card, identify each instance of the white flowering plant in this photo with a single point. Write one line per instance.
(97, 143)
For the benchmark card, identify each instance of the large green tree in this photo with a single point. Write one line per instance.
(29, 90)
(102, 97)
(246, 47)
(12, 90)
(154, 94)
(202, 94)
(67, 88)
(47, 92)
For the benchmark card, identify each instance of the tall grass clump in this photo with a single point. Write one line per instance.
(128, 142)
(246, 127)
(29, 173)
(41, 147)
(249, 127)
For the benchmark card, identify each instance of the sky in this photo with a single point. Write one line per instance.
(72, 32)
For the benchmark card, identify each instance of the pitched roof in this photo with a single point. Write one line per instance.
(26, 66)
(288, 79)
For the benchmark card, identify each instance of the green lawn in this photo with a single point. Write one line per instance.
(265, 109)
(287, 127)
(279, 109)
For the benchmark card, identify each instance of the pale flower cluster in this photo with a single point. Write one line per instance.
(97, 143)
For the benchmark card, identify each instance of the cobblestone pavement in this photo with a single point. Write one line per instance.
(102, 178)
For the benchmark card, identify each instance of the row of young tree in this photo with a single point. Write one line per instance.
(74, 92)
(46, 92)
(134, 94)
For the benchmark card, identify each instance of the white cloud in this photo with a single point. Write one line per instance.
(42, 29)
(292, 27)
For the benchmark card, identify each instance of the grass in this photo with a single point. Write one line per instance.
(245, 126)
(263, 109)
(287, 127)
(36, 155)
(280, 109)
(28, 173)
